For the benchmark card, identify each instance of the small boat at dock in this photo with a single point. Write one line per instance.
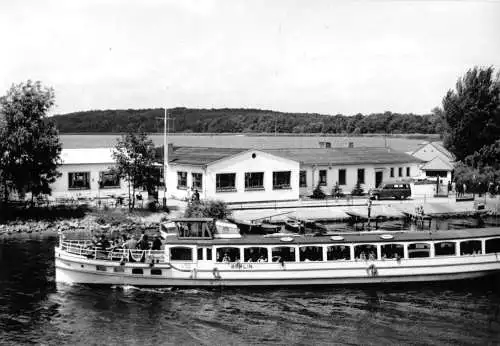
(206, 252)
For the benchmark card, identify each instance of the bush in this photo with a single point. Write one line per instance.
(153, 206)
(318, 193)
(358, 190)
(208, 208)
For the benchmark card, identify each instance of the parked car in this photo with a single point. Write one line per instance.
(391, 190)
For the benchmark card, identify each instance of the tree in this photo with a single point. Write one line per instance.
(29, 142)
(134, 154)
(472, 112)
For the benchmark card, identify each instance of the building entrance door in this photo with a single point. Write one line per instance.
(379, 176)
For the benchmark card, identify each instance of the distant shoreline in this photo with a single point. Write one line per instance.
(429, 136)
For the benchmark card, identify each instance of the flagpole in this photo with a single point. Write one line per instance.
(165, 159)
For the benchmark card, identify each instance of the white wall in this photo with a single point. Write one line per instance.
(240, 164)
(60, 186)
(332, 177)
(428, 152)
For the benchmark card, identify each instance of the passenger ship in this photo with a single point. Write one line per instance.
(205, 252)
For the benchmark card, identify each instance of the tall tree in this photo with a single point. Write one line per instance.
(472, 112)
(135, 155)
(29, 142)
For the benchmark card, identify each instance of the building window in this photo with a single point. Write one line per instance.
(281, 180)
(197, 180)
(400, 171)
(322, 177)
(182, 178)
(108, 180)
(361, 175)
(303, 179)
(407, 171)
(225, 182)
(254, 181)
(79, 181)
(342, 176)
(392, 172)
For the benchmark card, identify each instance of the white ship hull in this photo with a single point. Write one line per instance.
(71, 268)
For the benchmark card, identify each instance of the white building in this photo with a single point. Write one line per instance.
(232, 175)
(437, 161)
(247, 175)
(347, 166)
(86, 173)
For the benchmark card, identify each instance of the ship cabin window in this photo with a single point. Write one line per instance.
(228, 254)
(255, 254)
(418, 250)
(445, 248)
(138, 271)
(338, 252)
(365, 252)
(283, 254)
(195, 229)
(493, 245)
(181, 254)
(155, 271)
(393, 251)
(470, 247)
(311, 253)
(208, 254)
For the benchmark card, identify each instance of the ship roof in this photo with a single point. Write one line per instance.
(348, 238)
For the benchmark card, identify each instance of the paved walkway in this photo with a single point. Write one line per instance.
(337, 210)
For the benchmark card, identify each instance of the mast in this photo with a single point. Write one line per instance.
(165, 158)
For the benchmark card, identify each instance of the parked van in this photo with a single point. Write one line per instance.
(391, 190)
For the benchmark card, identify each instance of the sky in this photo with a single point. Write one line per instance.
(321, 56)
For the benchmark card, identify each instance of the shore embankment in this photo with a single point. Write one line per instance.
(339, 210)
(122, 221)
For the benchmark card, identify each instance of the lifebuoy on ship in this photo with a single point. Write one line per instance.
(216, 274)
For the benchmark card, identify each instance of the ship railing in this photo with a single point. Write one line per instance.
(87, 249)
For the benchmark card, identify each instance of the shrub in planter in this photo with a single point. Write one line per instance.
(318, 193)
(358, 190)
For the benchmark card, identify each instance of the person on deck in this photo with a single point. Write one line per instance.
(156, 243)
(143, 243)
(130, 243)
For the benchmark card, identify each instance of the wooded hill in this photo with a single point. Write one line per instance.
(244, 120)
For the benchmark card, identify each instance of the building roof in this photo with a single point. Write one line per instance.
(318, 156)
(200, 156)
(345, 156)
(437, 164)
(87, 156)
(438, 145)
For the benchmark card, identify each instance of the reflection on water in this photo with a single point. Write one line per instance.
(33, 309)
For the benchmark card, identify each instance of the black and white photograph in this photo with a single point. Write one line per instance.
(250, 172)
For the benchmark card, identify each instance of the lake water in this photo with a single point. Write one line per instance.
(245, 141)
(36, 310)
